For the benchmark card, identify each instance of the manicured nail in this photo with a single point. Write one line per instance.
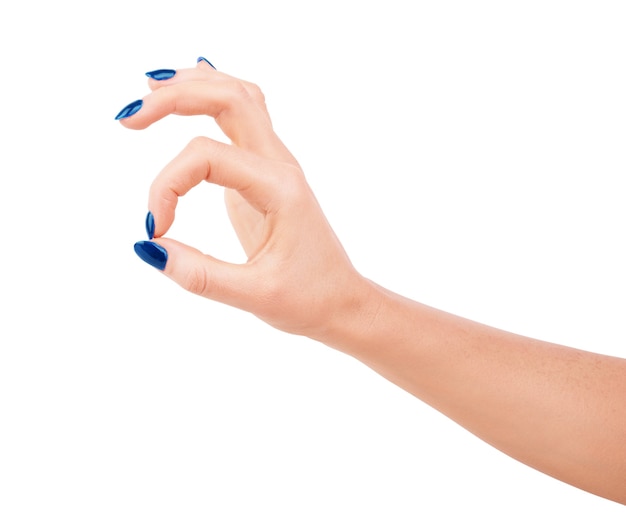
(150, 225)
(161, 74)
(204, 59)
(151, 253)
(129, 110)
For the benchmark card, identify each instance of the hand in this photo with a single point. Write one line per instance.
(297, 277)
(498, 385)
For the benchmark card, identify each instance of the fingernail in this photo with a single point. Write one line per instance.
(150, 225)
(152, 253)
(201, 58)
(130, 109)
(161, 74)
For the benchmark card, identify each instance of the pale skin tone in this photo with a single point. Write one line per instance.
(557, 409)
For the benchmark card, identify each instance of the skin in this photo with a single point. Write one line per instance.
(555, 408)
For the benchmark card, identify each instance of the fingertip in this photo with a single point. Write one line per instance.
(185, 265)
(156, 105)
(202, 60)
(150, 225)
(152, 253)
(199, 273)
(129, 110)
(161, 78)
(161, 74)
(160, 218)
(162, 201)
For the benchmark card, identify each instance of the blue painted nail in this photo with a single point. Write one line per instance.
(201, 58)
(161, 74)
(152, 253)
(150, 225)
(129, 110)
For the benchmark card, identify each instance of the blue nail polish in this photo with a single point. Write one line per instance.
(130, 109)
(161, 74)
(152, 253)
(204, 59)
(150, 225)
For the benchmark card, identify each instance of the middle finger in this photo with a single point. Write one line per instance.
(237, 107)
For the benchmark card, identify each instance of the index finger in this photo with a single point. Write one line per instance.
(204, 159)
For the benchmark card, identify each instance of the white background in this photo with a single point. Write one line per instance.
(469, 155)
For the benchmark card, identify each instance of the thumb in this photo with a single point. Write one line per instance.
(197, 272)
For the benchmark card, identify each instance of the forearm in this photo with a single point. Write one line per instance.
(558, 409)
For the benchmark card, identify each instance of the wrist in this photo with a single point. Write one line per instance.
(351, 325)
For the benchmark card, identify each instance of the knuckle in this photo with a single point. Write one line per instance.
(197, 281)
(238, 91)
(198, 143)
(255, 92)
(244, 91)
(293, 185)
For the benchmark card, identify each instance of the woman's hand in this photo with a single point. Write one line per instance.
(555, 408)
(297, 277)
